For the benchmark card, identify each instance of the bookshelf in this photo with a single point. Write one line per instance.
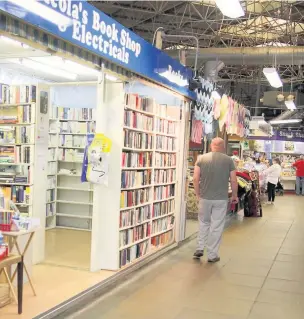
(17, 146)
(70, 204)
(148, 179)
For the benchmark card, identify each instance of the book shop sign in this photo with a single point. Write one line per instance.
(84, 25)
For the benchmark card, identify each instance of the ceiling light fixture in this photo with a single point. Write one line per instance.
(45, 12)
(14, 42)
(66, 65)
(111, 78)
(290, 121)
(290, 105)
(44, 68)
(273, 77)
(231, 8)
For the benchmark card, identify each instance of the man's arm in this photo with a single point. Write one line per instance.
(234, 186)
(196, 180)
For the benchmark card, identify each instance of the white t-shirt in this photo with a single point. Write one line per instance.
(273, 173)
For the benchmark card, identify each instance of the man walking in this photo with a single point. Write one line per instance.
(299, 166)
(211, 178)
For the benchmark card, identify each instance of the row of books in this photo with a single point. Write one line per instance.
(133, 198)
(163, 208)
(136, 251)
(83, 114)
(164, 176)
(50, 195)
(162, 240)
(131, 235)
(14, 94)
(15, 135)
(52, 154)
(72, 140)
(139, 103)
(51, 182)
(130, 159)
(161, 109)
(70, 155)
(52, 168)
(132, 217)
(138, 140)
(165, 160)
(24, 154)
(137, 120)
(165, 126)
(165, 143)
(50, 209)
(162, 192)
(18, 114)
(162, 224)
(135, 178)
(17, 194)
(77, 127)
(16, 154)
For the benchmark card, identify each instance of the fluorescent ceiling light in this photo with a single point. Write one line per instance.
(44, 68)
(230, 8)
(290, 121)
(273, 77)
(14, 42)
(215, 95)
(111, 78)
(45, 12)
(66, 65)
(290, 105)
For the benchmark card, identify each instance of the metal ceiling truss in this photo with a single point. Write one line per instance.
(265, 22)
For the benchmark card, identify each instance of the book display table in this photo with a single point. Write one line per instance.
(14, 239)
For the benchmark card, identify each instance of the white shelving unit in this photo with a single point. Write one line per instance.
(17, 143)
(148, 225)
(72, 201)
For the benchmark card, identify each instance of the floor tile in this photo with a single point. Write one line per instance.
(262, 310)
(284, 285)
(198, 314)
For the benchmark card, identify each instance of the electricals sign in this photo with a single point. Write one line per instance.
(85, 26)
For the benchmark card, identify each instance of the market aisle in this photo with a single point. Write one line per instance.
(260, 276)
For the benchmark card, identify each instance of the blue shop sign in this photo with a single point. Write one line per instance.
(85, 26)
(281, 135)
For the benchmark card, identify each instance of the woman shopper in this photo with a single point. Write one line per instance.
(273, 175)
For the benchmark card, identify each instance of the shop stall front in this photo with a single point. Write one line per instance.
(94, 121)
(286, 145)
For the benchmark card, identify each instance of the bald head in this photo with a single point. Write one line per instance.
(217, 145)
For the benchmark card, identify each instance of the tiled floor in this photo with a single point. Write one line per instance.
(260, 276)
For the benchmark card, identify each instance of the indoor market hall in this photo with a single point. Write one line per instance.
(260, 275)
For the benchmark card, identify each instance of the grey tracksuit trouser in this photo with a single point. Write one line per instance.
(211, 217)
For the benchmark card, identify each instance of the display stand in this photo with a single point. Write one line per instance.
(13, 239)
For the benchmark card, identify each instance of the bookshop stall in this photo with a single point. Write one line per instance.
(63, 102)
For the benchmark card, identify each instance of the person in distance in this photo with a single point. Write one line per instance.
(299, 166)
(273, 175)
(212, 172)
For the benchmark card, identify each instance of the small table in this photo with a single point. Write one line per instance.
(7, 263)
(13, 242)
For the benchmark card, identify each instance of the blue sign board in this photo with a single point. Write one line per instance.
(82, 24)
(281, 135)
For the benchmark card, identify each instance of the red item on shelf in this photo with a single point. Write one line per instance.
(5, 227)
